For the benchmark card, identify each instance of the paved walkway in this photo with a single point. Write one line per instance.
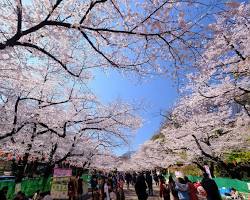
(131, 195)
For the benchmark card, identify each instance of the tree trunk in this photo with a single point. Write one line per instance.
(200, 166)
(211, 167)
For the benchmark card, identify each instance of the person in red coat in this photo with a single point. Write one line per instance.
(191, 189)
(164, 190)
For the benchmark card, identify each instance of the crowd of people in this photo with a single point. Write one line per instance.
(110, 187)
(75, 188)
(184, 189)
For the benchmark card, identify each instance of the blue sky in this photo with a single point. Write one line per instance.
(157, 93)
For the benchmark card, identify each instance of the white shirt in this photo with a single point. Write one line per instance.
(106, 191)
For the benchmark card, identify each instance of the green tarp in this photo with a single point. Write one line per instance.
(11, 187)
(241, 186)
(226, 182)
(86, 178)
(28, 186)
(194, 178)
(232, 183)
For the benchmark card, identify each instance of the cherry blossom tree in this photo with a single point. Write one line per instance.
(79, 35)
(49, 49)
(212, 117)
(153, 154)
(61, 138)
(50, 119)
(215, 117)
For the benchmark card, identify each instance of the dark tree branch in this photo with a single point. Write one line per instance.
(213, 158)
(91, 6)
(200, 166)
(19, 17)
(117, 9)
(52, 153)
(203, 152)
(150, 15)
(15, 114)
(208, 97)
(29, 146)
(14, 131)
(125, 32)
(234, 49)
(51, 130)
(25, 44)
(245, 90)
(243, 105)
(99, 51)
(48, 103)
(53, 8)
(69, 25)
(14, 124)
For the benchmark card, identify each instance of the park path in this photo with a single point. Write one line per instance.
(131, 195)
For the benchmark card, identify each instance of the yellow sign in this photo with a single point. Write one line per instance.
(59, 187)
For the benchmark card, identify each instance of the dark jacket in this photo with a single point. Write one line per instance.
(173, 190)
(79, 186)
(156, 178)
(93, 182)
(2, 195)
(141, 188)
(128, 177)
(211, 188)
(149, 179)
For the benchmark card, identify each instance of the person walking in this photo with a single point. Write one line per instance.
(210, 187)
(164, 190)
(191, 189)
(120, 191)
(156, 179)
(149, 181)
(141, 187)
(173, 191)
(134, 176)
(128, 178)
(107, 189)
(182, 188)
(101, 182)
(72, 189)
(93, 184)
(79, 187)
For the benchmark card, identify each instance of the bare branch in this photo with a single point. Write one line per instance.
(243, 105)
(91, 6)
(51, 130)
(234, 49)
(53, 8)
(150, 15)
(209, 97)
(99, 51)
(19, 17)
(25, 44)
